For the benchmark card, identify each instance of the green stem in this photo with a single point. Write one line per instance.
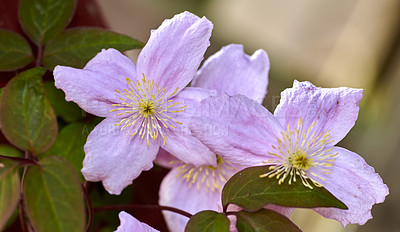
(21, 200)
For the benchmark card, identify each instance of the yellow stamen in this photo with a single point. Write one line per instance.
(146, 109)
(206, 176)
(298, 152)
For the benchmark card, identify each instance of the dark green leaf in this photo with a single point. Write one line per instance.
(68, 111)
(208, 221)
(251, 192)
(9, 184)
(44, 19)
(69, 144)
(264, 220)
(75, 47)
(26, 117)
(53, 197)
(15, 52)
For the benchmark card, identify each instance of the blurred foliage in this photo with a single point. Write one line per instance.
(68, 111)
(69, 144)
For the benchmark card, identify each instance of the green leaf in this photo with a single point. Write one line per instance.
(69, 144)
(208, 221)
(75, 47)
(26, 117)
(264, 220)
(9, 184)
(68, 111)
(251, 192)
(15, 52)
(44, 19)
(53, 197)
(9, 151)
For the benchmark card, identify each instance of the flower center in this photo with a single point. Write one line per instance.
(299, 160)
(146, 108)
(303, 153)
(206, 176)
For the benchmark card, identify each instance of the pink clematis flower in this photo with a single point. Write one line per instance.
(131, 224)
(146, 105)
(194, 188)
(299, 142)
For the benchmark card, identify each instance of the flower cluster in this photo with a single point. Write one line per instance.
(215, 127)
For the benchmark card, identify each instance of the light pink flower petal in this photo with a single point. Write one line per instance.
(115, 157)
(93, 88)
(333, 109)
(233, 72)
(166, 160)
(174, 51)
(131, 224)
(180, 142)
(236, 128)
(113, 64)
(356, 184)
(175, 192)
(190, 98)
(187, 148)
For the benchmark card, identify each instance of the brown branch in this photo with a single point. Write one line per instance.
(39, 56)
(22, 217)
(132, 207)
(89, 206)
(21, 161)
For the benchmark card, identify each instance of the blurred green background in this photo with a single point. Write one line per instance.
(352, 43)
